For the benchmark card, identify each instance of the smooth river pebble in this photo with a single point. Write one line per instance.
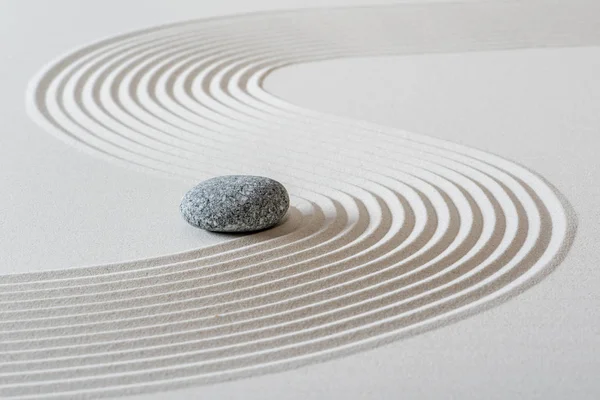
(235, 203)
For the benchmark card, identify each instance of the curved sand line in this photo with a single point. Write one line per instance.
(390, 234)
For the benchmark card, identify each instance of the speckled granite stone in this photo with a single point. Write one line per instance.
(235, 203)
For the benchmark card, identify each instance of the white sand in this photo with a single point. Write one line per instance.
(392, 233)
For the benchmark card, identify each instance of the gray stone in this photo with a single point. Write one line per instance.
(235, 203)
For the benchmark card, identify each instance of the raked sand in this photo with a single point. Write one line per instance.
(390, 233)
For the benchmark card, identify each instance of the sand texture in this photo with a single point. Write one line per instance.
(390, 233)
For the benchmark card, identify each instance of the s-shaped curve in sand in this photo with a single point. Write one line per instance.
(390, 233)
